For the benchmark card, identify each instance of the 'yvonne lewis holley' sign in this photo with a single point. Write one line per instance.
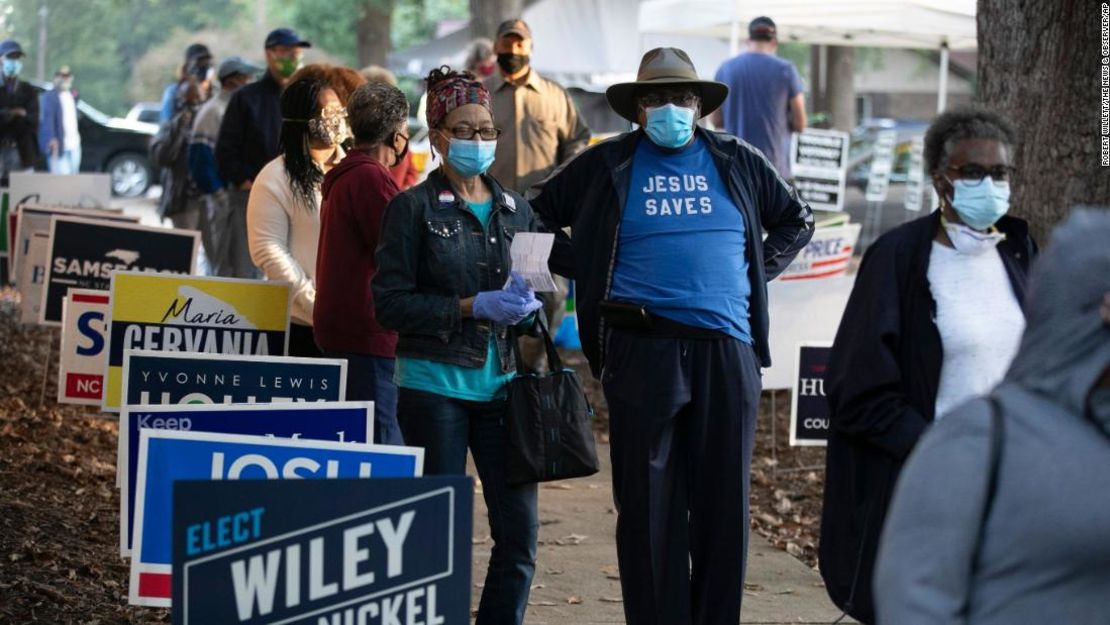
(151, 377)
(83, 253)
(809, 409)
(170, 313)
(335, 552)
(166, 456)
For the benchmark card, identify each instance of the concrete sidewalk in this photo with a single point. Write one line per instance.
(577, 582)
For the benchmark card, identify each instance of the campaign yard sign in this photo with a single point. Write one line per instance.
(31, 277)
(809, 409)
(171, 313)
(882, 163)
(335, 552)
(92, 190)
(167, 456)
(28, 219)
(915, 176)
(827, 254)
(819, 160)
(152, 377)
(343, 422)
(81, 357)
(83, 253)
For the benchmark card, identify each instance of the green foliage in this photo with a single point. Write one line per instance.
(101, 40)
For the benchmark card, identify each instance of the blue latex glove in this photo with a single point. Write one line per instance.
(508, 306)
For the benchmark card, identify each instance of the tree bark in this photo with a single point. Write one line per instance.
(486, 15)
(1038, 66)
(372, 32)
(840, 89)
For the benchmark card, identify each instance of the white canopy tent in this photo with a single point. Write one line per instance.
(923, 24)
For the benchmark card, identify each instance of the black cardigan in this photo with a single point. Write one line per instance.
(884, 370)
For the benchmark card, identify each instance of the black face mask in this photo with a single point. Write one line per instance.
(512, 63)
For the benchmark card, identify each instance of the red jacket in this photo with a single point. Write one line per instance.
(355, 194)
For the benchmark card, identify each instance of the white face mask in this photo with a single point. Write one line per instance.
(969, 241)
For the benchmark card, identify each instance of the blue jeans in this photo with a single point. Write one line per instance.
(370, 378)
(445, 427)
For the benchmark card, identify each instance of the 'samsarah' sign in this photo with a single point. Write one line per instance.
(192, 314)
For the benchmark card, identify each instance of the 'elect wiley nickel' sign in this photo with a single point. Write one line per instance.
(337, 551)
(83, 253)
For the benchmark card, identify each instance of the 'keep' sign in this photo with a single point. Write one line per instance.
(167, 456)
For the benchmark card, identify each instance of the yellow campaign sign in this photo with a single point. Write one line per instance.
(175, 313)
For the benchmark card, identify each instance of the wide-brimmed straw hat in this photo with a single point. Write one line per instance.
(665, 67)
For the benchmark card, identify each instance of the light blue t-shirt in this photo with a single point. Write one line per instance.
(681, 250)
(760, 87)
(484, 383)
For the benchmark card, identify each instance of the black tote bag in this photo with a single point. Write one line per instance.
(550, 422)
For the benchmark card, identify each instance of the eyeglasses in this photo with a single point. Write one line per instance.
(684, 98)
(463, 131)
(974, 173)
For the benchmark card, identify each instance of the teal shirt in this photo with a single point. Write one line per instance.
(483, 383)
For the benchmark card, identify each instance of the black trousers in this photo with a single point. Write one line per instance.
(682, 424)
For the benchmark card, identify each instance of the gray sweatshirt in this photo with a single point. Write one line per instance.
(1045, 556)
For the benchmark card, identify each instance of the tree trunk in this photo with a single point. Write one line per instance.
(840, 88)
(372, 32)
(486, 15)
(1038, 66)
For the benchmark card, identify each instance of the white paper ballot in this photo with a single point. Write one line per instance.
(530, 251)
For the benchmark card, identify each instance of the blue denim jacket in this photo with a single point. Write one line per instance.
(433, 252)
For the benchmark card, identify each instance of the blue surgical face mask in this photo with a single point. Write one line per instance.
(669, 126)
(980, 205)
(470, 157)
(12, 67)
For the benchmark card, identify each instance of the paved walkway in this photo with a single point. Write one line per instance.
(576, 579)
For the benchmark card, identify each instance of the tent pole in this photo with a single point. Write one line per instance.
(942, 87)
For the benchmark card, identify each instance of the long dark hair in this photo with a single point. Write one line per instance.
(300, 102)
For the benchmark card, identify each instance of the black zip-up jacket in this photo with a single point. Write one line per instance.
(434, 252)
(588, 195)
(22, 131)
(884, 370)
(249, 131)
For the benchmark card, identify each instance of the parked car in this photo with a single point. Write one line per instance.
(149, 112)
(862, 146)
(115, 146)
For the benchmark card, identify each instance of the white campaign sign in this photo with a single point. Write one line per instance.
(32, 275)
(882, 163)
(827, 254)
(915, 177)
(86, 190)
(83, 353)
(33, 218)
(819, 160)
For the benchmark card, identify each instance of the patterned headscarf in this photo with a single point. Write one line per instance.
(448, 90)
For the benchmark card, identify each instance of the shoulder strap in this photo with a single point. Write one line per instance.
(998, 431)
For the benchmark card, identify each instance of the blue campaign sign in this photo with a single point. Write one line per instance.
(337, 421)
(166, 456)
(334, 551)
(159, 377)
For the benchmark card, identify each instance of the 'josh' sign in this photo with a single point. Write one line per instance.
(809, 410)
(167, 456)
(335, 552)
(191, 314)
(83, 253)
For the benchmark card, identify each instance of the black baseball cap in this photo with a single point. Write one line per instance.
(197, 51)
(762, 29)
(286, 37)
(514, 27)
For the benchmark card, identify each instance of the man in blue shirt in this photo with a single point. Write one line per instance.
(671, 263)
(766, 101)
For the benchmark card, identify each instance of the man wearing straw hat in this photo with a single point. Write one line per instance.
(671, 266)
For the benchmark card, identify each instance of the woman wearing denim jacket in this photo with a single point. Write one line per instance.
(443, 284)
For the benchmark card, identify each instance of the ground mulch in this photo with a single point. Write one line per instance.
(59, 508)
